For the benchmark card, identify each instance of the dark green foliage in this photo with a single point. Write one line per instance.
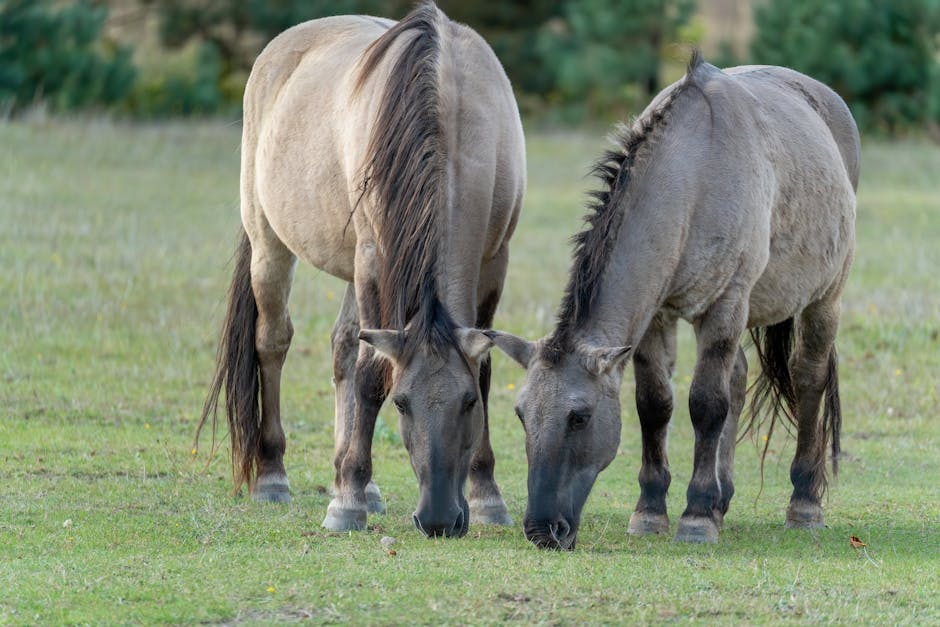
(197, 92)
(53, 53)
(877, 54)
(608, 53)
(588, 56)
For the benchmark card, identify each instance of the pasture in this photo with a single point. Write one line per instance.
(114, 249)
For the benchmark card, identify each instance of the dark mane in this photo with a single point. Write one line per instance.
(593, 245)
(405, 175)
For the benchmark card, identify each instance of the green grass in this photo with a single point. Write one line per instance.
(114, 250)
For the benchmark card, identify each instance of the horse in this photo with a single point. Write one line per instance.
(390, 155)
(729, 203)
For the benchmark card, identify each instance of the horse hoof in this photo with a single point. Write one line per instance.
(490, 511)
(341, 517)
(271, 489)
(697, 529)
(647, 523)
(804, 515)
(374, 503)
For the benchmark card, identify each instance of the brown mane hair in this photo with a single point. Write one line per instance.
(593, 245)
(406, 176)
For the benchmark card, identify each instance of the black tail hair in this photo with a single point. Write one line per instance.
(773, 391)
(237, 369)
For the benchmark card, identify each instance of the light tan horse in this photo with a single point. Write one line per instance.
(391, 156)
(729, 203)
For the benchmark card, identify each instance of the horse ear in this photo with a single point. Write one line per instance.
(474, 343)
(519, 349)
(601, 361)
(386, 343)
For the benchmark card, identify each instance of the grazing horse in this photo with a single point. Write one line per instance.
(729, 203)
(390, 155)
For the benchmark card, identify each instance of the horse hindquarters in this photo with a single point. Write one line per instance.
(798, 371)
(244, 368)
(814, 371)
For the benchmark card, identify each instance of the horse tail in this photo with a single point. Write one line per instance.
(237, 369)
(832, 411)
(773, 389)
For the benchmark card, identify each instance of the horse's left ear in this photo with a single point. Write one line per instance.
(601, 361)
(387, 343)
(474, 343)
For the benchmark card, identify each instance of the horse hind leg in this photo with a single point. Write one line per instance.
(718, 335)
(272, 273)
(814, 374)
(653, 366)
(729, 433)
(486, 501)
(345, 344)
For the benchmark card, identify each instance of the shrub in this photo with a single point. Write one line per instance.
(877, 54)
(54, 54)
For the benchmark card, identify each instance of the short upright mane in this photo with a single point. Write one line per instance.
(594, 244)
(405, 174)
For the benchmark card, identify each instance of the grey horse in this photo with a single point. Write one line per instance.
(729, 203)
(390, 155)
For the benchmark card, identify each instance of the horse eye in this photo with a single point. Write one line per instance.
(401, 404)
(469, 401)
(578, 419)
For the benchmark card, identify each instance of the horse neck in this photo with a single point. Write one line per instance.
(639, 271)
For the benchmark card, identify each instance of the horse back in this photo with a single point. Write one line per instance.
(824, 102)
(811, 146)
(770, 178)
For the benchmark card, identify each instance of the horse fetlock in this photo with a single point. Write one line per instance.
(645, 523)
(271, 488)
(804, 514)
(489, 510)
(345, 514)
(701, 529)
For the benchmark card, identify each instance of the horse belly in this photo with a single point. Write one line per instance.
(300, 182)
(808, 257)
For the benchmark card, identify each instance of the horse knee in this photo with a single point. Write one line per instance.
(708, 407)
(654, 404)
(345, 343)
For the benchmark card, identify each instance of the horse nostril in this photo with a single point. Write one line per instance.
(458, 529)
(417, 522)
(560, 529)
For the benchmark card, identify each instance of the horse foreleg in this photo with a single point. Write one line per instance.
(486, 502)
(272, 270)
(349, 508)
(345, 344)
(653, 365)
(718, 333)
(812, 370)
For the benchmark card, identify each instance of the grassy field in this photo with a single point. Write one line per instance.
(114, 251)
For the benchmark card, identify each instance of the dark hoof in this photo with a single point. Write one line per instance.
(489, 511)
(697, 529)
(374, 503)
(648, 523)
(804, 515)
(271, 489)
(342, 516)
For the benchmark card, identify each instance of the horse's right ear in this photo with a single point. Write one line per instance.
(387, 343)
(519, 349)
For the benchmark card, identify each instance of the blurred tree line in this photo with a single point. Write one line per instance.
(571, 60)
